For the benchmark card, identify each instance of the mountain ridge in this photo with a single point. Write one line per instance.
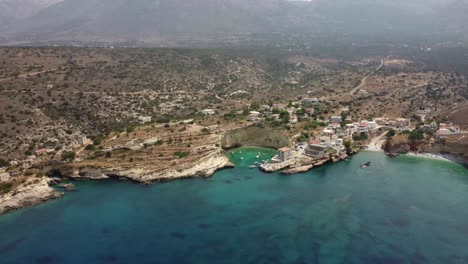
(166, 21)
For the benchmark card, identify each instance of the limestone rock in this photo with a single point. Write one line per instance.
(30, 193)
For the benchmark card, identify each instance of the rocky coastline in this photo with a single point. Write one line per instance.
(300, 164)
(204, 167)
(450, 150)
(33, 191)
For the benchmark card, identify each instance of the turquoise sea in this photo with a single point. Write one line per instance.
(406, 210)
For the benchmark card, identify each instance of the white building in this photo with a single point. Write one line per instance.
(307, 101)
(254, 116)
(293, 119)
(4, 176)
(350, 130)
(284, 154)
(316, 151)
(144, 119)
(208, 112)
(447, 130)
(265, 108)
(84, 141)
(335, 119)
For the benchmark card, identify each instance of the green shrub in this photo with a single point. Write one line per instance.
(4, 163)
(181, 154)
(391, 133)
(68, 156)
(91, 147)
(415, 135)
(5, 187)
(361, 137)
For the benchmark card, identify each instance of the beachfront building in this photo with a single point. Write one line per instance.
(316, 151)
(447, 130)
(351, 129)
(208, 112)
(284, 154)
(367, 126)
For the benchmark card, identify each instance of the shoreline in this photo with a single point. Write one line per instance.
(442, 157)
(425, 155)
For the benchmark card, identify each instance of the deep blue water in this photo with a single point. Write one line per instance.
(406, 210)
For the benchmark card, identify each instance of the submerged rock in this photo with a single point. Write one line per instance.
(67, 186)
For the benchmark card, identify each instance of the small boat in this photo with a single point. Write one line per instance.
(252, 166)
(366, 165)
(242, 158)
(257, 156)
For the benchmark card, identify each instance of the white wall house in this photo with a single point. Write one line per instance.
(144, 119)
(208, 112)
(335, 119)
(254, 116)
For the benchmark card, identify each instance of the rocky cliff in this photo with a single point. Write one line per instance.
(204, 167)
(456, 145)
(254, 136)
(31, 192)
(401, 144)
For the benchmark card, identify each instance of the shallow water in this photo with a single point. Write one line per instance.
(407, 210)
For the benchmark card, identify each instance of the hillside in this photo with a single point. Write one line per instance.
(53, 97)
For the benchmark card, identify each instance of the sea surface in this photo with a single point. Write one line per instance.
(404, 210)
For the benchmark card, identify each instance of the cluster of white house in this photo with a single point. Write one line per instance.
(447, 130)
(331, 138)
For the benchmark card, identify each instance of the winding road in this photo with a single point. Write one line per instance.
(363, 81)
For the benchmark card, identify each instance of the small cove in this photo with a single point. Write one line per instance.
(404, 210)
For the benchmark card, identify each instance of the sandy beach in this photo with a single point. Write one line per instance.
(376, 144)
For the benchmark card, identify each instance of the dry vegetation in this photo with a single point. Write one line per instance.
(99, 91)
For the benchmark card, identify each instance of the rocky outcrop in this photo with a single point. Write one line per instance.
(401, 144)
(299, 164)
(204, 167)
(272, 167)
(254, 136)
(67, 186)
(300, 169)
(456, 145)
(31, 192)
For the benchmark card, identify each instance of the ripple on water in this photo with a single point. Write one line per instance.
(329, 215)
(178, 235)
